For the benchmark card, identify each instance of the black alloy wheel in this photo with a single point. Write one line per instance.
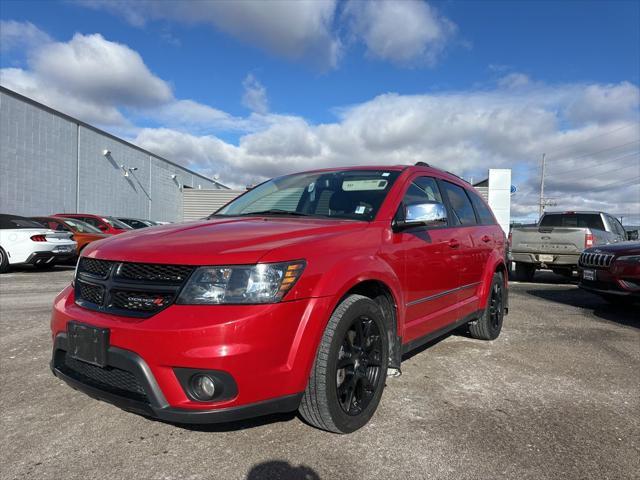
(358, 371)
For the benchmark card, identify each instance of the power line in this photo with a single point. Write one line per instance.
(628, 182)
(582, 177)
(589, 154)
(604, 150)
(573, 170)
(567, 147)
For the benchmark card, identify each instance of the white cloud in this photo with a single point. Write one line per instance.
(298, 30)
(514, 80)
(105, 71)
(20, 36)
(88, 77)
(255, 95)
(465, 132)
(406, 32)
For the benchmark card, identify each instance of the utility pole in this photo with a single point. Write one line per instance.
(544, 155)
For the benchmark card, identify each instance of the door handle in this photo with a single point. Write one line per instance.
(453, 243)
(486, 238)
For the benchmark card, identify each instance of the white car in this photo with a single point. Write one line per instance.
(25, 242)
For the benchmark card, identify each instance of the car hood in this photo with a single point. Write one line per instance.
(622, 248)
(217, 241)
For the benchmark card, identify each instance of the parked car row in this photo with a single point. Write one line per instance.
(558, 239)
(45, 241)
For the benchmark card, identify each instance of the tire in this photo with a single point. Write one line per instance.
(4, 261)
(489, 325)
(524, 272)
(342, 400)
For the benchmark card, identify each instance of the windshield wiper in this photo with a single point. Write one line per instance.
(278, 211)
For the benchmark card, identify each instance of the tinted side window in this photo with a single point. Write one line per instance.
(421, 190)
(460, 204)
(616, 226)
(482, 210)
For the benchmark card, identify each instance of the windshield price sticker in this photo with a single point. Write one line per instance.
(362, 185)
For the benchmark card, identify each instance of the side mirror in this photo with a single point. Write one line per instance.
(432, 214)
(104, 228)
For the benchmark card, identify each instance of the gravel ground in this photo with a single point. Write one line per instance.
(556, 396)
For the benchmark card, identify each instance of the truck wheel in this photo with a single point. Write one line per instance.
(524, 271)
(4, 261)
(349, 372)
(488, 326)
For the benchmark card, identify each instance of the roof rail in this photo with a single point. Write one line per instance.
(422, 164)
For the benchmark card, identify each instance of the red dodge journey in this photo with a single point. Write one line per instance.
(301, 294)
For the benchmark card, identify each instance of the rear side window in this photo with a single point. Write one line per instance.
(576, 220)
(460, 204)
(482, 210)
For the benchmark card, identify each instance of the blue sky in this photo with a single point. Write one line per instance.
(248, 91)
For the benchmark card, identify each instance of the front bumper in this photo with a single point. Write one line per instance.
(153, 403)
(267, 350)
(607, 284)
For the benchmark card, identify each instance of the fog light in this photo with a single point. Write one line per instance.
(203, 387)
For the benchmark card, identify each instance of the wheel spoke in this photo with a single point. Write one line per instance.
(345, 361)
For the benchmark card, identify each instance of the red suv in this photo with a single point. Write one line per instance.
(107, 225)
(303, 293)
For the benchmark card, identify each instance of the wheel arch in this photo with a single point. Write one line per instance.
(382, 294)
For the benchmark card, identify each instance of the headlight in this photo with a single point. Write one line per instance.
(629, 259)
(261, 283)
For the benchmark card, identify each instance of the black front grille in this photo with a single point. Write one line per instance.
(111, 379)
(95, 268)
(595, 260)
(126, 288)
(91, 293)
(174, 274)
(140, 301)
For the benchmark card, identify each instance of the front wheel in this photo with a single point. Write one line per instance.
(349, 372)
(4, 261)
(489, 325)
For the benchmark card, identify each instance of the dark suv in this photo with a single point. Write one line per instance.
(300, 294)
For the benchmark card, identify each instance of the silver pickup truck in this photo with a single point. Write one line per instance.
(558, 239)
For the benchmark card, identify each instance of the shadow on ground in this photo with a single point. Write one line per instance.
(621, 313)
(281, 470)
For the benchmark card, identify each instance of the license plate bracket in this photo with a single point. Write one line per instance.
(589, 275)
(87, 343)
(545, 258)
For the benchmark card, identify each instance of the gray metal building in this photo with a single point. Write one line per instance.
(52, 163)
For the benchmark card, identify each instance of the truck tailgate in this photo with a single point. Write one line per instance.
(551, 240)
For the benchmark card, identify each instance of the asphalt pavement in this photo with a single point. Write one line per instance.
(557, 396)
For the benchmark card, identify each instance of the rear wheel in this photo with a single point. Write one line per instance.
(348, 375)
(524, 271)
(4, 261)
(489, 325)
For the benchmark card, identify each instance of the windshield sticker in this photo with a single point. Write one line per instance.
(361, 185)
(385, 174)
(360, 209)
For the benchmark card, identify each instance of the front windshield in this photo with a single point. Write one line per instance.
(80, 226)
(348, 194)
